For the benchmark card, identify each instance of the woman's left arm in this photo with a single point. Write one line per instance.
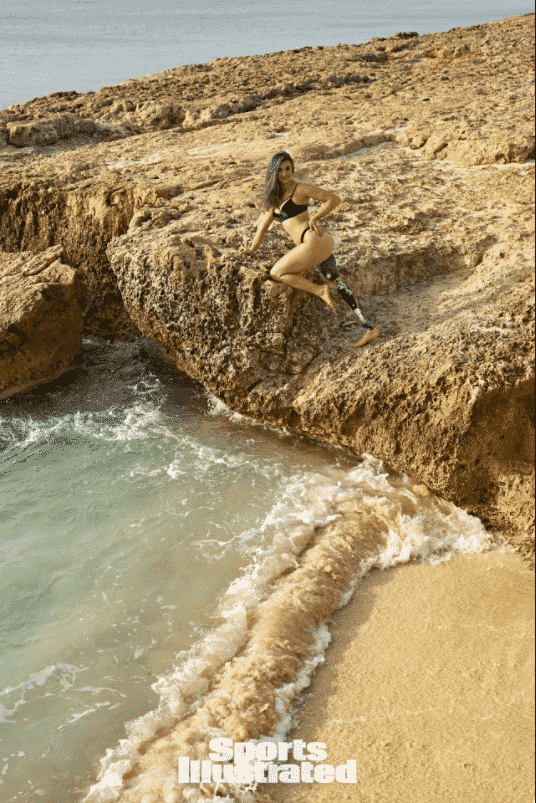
(329, 201)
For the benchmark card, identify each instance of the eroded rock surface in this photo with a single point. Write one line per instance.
(463, 97)
(40, 319)
(445, 395)
(428, 140)
(406, 68)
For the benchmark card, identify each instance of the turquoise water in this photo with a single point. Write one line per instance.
(130, 502)
(62, 45)
(138, 514)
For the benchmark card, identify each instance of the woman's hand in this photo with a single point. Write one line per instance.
(313, 224)
(329, 202)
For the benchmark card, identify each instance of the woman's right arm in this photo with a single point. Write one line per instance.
(264, 224)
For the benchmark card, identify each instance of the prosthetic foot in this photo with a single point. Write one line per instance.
(328, 269)
(371, 334)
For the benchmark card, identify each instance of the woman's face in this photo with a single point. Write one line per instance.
(284, 174)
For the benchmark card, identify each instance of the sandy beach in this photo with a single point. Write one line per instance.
(428, 686)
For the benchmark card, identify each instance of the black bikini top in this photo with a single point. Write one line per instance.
(291, 209)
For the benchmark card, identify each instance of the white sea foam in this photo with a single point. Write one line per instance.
(218, 407)
(61, 675)
(141, 421)
(327, 534)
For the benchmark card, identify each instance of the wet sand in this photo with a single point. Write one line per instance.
(428, 684)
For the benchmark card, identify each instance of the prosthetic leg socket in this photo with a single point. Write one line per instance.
(328, 269)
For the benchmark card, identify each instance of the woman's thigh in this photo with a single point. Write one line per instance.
(306, 255)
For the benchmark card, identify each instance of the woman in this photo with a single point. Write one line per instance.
(311, 245)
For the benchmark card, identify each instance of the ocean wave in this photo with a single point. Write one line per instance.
(216, 407)
(142, 421)
(138, 422)
(61, 676)
(242, 681)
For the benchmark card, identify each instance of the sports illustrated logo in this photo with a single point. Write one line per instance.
(254, 762)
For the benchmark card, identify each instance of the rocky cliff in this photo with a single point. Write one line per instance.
(151, 187)
(40, 319)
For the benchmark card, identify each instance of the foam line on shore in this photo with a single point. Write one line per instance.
(243, 680)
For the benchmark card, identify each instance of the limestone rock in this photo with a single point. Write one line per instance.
(479, 80)
(156, 116)
(42, 132)
(468, 150)
(476, 151)
(437, 400)
(40, 319)
(186, 294)
(428, 141)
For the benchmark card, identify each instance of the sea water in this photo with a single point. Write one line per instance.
(133, 503)
(128, 505)
(57, 45)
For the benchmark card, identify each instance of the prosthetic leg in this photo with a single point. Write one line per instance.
(328, 269)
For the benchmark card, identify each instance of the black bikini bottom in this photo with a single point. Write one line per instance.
(304, 232)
